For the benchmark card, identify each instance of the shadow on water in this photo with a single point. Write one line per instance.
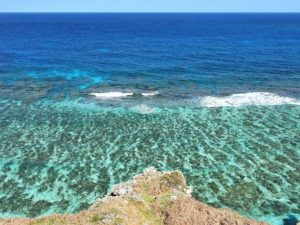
(291, 220)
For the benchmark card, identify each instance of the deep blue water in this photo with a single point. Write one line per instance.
(222, 106)
(205, 53)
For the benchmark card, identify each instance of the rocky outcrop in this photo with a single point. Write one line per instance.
(151, 198)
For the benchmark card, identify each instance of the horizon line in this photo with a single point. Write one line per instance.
(152, 12)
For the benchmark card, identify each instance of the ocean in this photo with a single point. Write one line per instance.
(90, 100)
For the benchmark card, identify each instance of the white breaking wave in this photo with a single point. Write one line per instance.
(111, 94)
(150, 93)
(118, 94)
(250, 98)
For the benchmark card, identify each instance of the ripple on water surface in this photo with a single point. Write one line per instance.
(61, 157)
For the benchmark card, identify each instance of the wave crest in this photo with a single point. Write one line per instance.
(250, 98)
(118, 94)
(112, 94)
(150, 93)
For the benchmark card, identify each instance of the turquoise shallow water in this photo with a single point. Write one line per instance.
(61, 156)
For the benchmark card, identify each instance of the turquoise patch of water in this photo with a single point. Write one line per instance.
(84, 78)
(62, 156)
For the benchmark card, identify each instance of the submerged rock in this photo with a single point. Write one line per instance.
(151, 198)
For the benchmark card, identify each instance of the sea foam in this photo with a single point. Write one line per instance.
(143, 109)
(111, 94)
(150, 93)
(118, 94)
(250, 98)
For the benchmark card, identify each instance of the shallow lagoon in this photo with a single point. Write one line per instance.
(60, 157)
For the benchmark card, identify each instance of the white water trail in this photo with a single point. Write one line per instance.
(112, 94)
(250, 98)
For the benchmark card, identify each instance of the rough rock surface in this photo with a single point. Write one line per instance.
(151, 198)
